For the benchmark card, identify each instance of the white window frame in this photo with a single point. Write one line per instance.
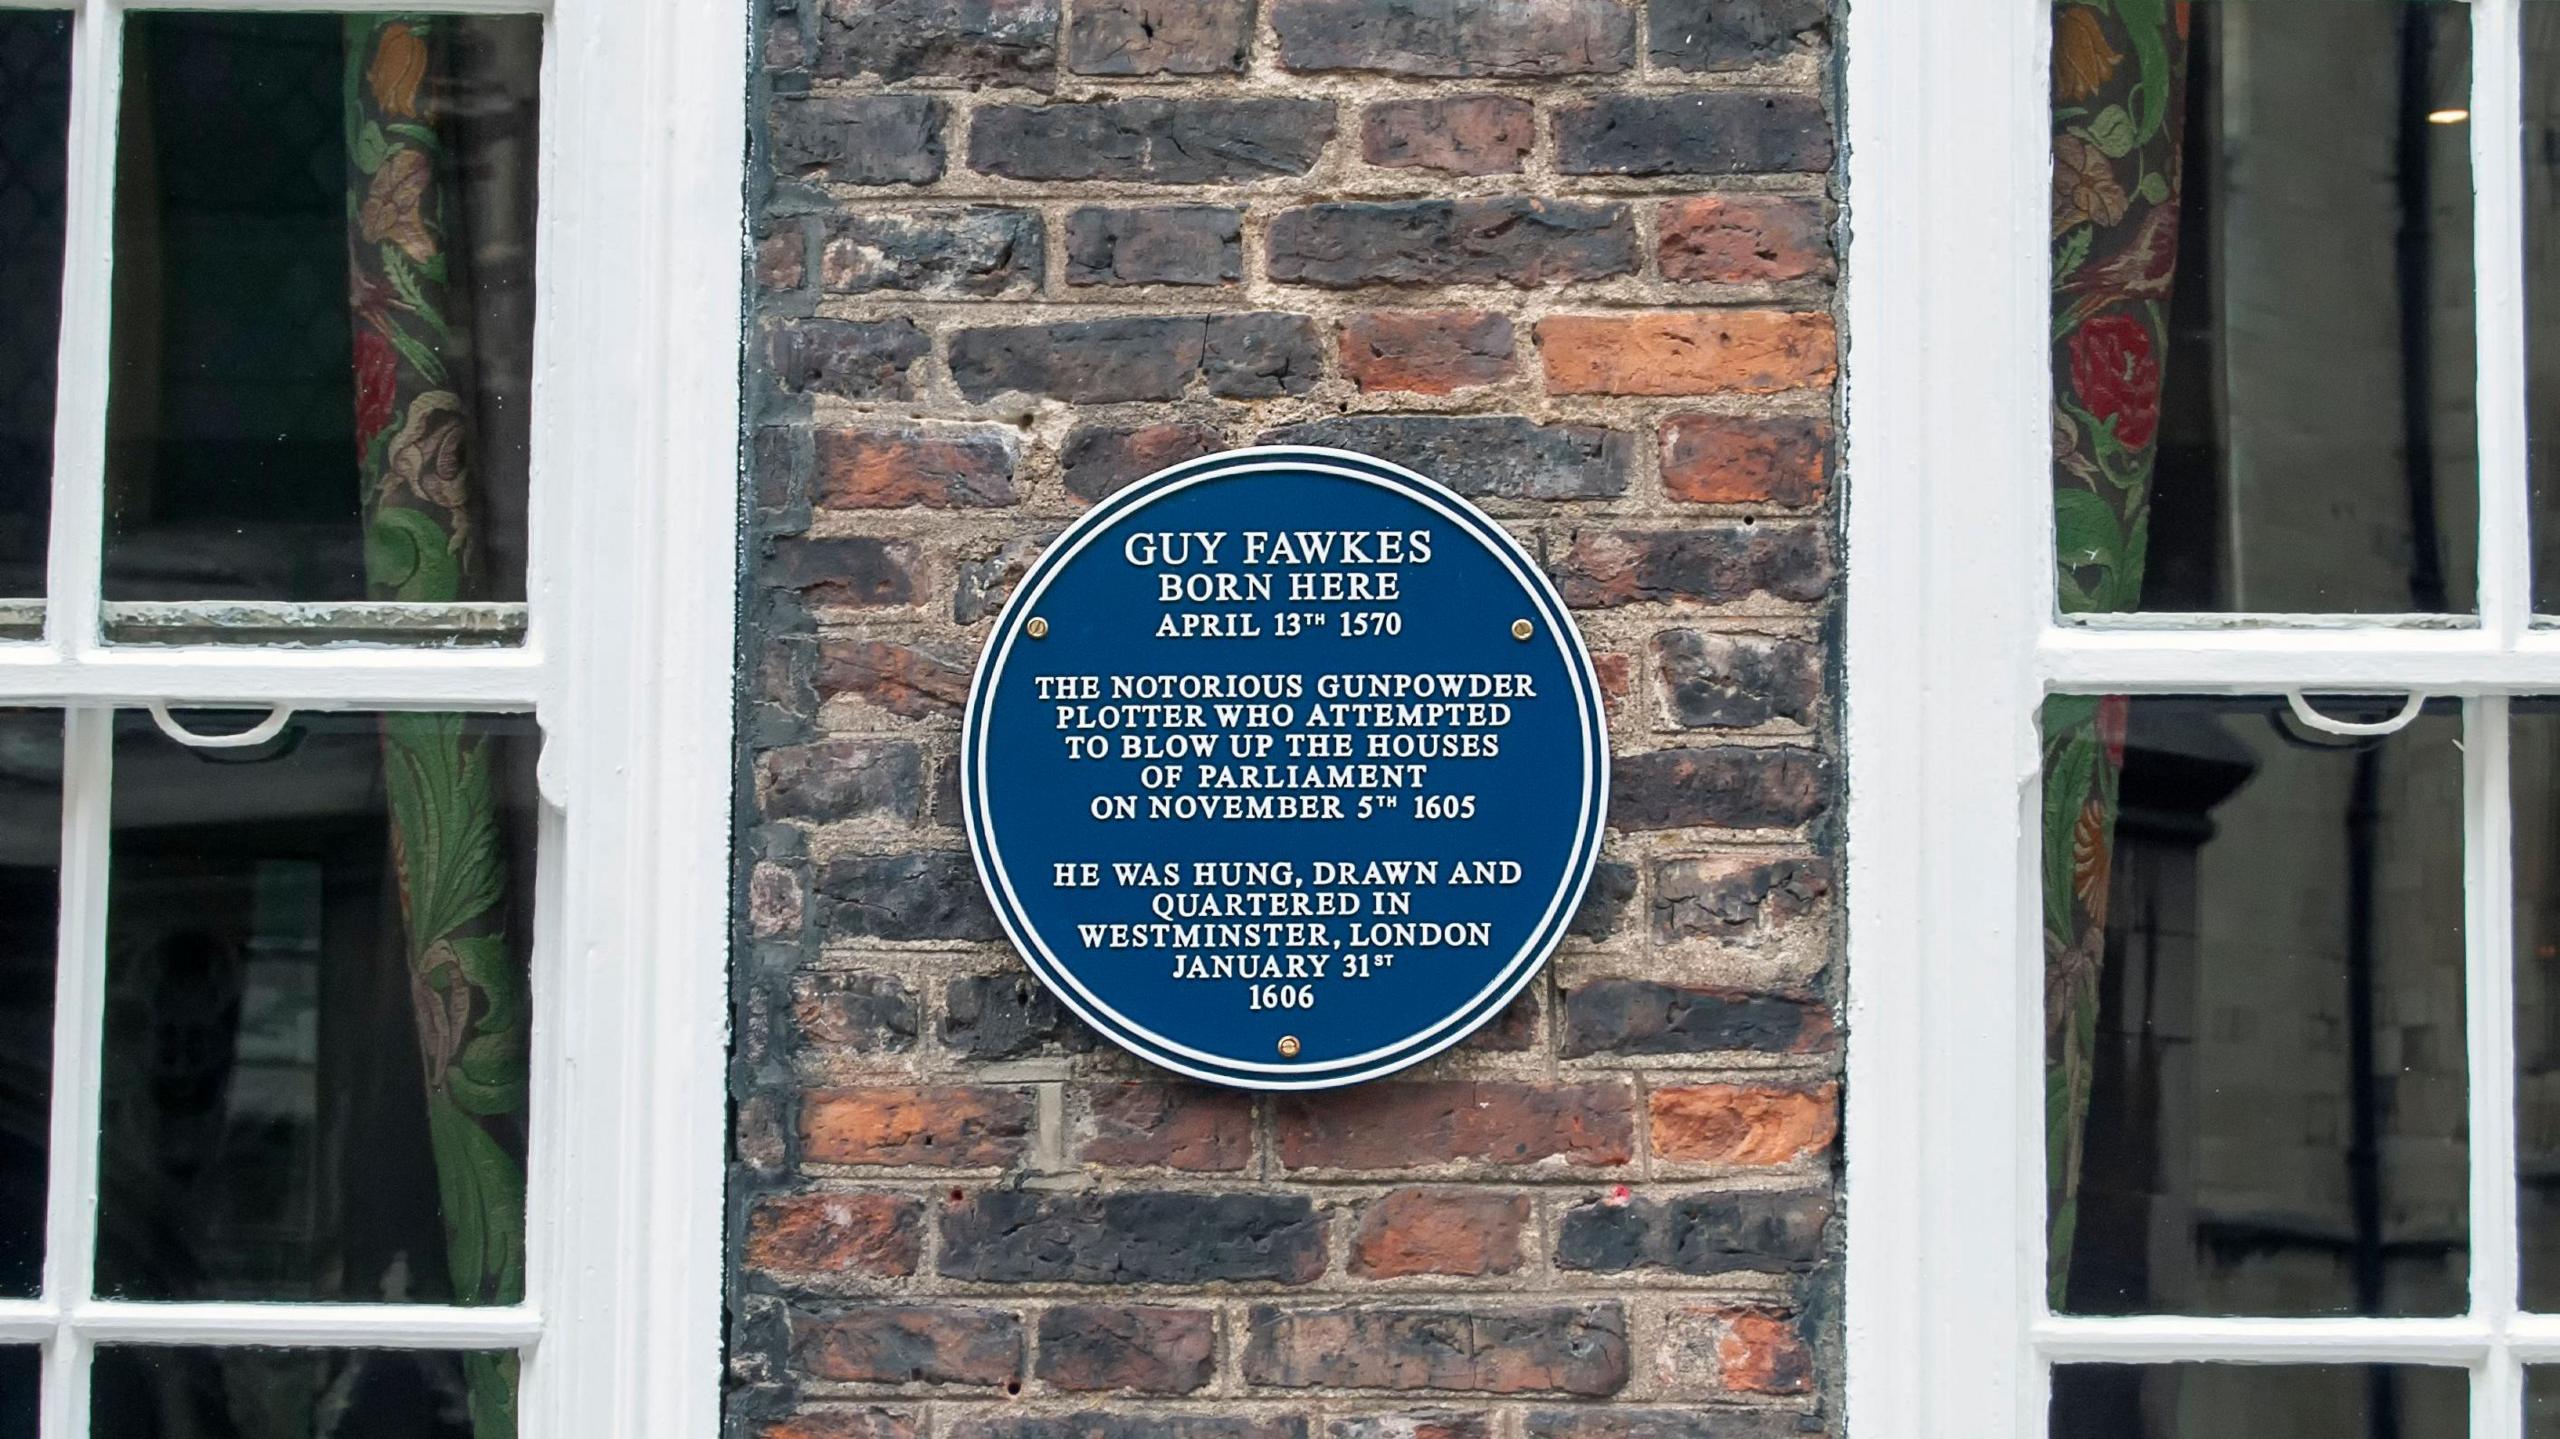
(627, 666)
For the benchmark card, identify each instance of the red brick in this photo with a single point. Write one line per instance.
(1175, 1126)
(1427, 352)
(1148, 1349)
(902, 679)
(1492, 1122)
(1744, 239)
(1439, 1231)
(782, 258)
(1688, 352)
(832, 1233)
(1462, 134)
(842, 1421)
(910, 1344)
(889, 468)
(949, 1125)
(1739, 460)
(1763, 1352)
(1743, 1124)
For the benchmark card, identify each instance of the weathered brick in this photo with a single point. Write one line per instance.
(1003, 1016)
(1482, 1349)
(1439, 1231)
(1517, 240)
(1631, 1016)
(1744, 239)
(825, 1232)
(1021, 1236)
(1484, 456)
(1733, 1349)
(1705, 564)
(1411, 1424)
(1154, 245)
(1720, 786)
(842, 779)
(909, 1344)
(1689, 1423)
(1159, 37)
(1429, 352)
(851, 359)
(854, 1013)
(1719, 680)
(1726, 897)
(1012, 42)
(1737, 460)
(1743, 1124)
(1724, 132)
(1508, 38)
(1146, 1349)
(782, 258)
(981, 586)
(1687, 352)
(1175, 1126)
(1605, 902)
(931, 895)
(1733, 34)
(859, 139)
(1152, 357)
(943, 1126)
(1461, 134)
(1490, 1122)
(977, 250)
(902, 679)
(1126, 1424)
(1262, 356)
(775, 903)
(1697, 1234)
(1159, 140)
(886, 467)
(843, 1421)
(1098, 460)
(855, 570)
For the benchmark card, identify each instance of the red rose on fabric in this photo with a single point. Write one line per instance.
(377, 384)
(2118, 377)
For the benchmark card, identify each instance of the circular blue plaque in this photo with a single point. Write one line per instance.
(1285, 768)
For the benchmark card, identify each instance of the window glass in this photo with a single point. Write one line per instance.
(2541, 1403)
(156, 1393)
(2541, 25)
(2264, 351)
(2534, 763)
(323, 308)
(35, 110)
(317, 1015)
(20, 1375)
(30, 878)
(2254, 1026)
(2255, 1401)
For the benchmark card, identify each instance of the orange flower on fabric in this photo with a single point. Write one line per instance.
(2084, 185)
(430, 456)
(399, 67)
(2089, 854)
(2083, 61)
(394, 205)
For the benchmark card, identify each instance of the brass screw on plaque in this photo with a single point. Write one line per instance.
(1038, 629)
(1288, 1046)
(1520, 629)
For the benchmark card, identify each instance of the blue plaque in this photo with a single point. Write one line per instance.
(1285, 768)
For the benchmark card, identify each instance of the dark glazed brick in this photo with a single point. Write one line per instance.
(1100, 459)
(1260, 357)
(909, 1344)
(1012, 42)
(1508, 38)
(854, 570)
(1720, 899)
(1717, 1422)
(871, 467)
(1159, 37)
(1735, 680)
(1696, 1234)
(1408, 1124)
(902, 679)
(1424, 1424)
(1724, 787)
(932, 895)
(1154, 245)
(1463, 134)
(982, 250)
(859, 139)
(1732, 34)
(1711, 564)
(1018, 1236)
(857, 360)
(1566, 1349)
(1724, 132)
(1004, 1016)
(854, 1014)
(1152, 357)
(1122, 1424)
(842, 779)
(1165, 141)
(1149, 1349)
(1604, 904)
(1515, 240)
(1484, 456)
(1629, 1016)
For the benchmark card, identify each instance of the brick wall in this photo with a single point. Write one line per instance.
(1571, 257)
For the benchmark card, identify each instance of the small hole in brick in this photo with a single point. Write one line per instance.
(955, 1196)
(916, 1375)
(1013, 1386)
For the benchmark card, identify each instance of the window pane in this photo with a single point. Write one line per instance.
(151, 1393)
(35, 111)
(2541, 1404)
(2541, 24)
(30, 874)
(2263, 339)
(316, 1012)
(323, 308)
(2255, 1056)
(20, 1374)
(2249, 1401)
(2535, 776)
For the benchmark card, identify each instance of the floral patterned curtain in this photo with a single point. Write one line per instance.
(2119, 102)
(415, 434)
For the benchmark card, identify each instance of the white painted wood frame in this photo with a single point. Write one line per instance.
(627, 665)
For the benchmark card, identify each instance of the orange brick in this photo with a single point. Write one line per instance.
(1688, 352)
(1746, 460)
(1743, 1124)
(953, 1125)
